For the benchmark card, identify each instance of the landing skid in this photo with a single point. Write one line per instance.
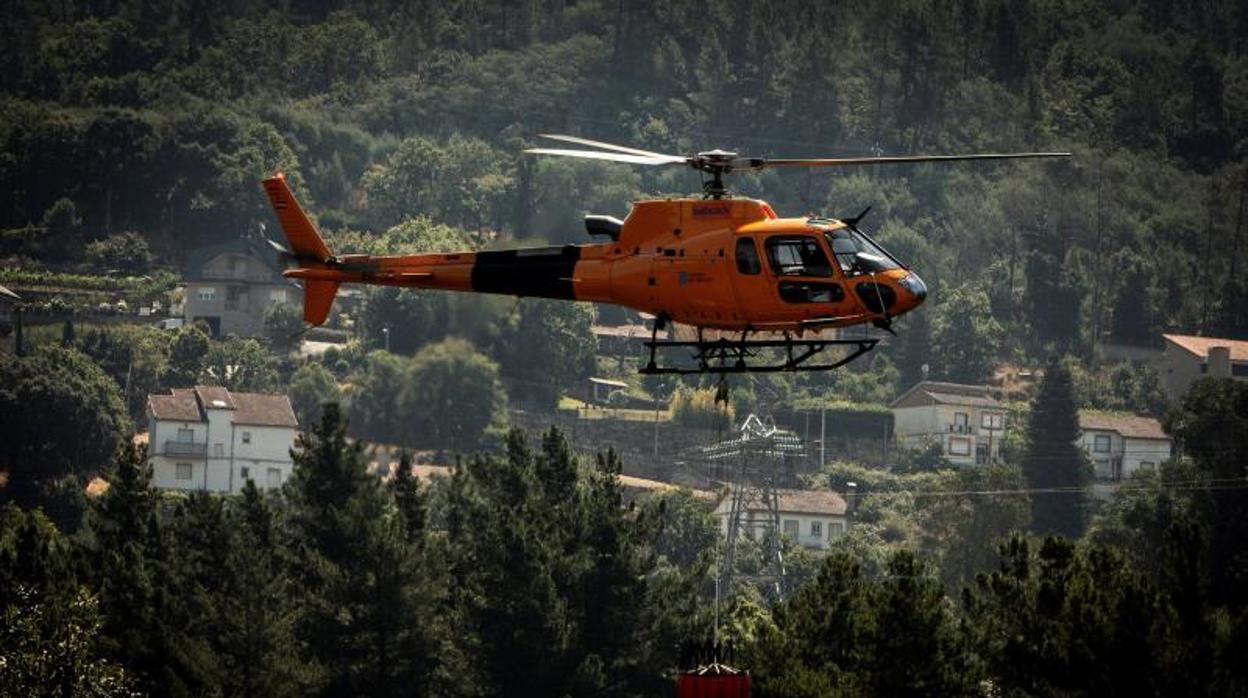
(724, 356)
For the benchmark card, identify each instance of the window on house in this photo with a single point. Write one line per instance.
(1102, 469)
(1147, 465)
(218, 450)
(747, 257)
(799, 255)
(182, 471)
(236, 297)
(277, 295)
(960, 420)
(246, 437)
(207, 293)
(245, 473)
(992, 420)
(959, 446)
(273, 478)
(816, 529)
(186, 436)
(790, 528)
(835, 529)
(1100, 443)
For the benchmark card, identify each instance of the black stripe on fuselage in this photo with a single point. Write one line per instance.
(543, 272)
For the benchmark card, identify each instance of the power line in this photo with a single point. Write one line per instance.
(1191, 485)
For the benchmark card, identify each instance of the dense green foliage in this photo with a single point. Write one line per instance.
(445, 397)
(61, 415)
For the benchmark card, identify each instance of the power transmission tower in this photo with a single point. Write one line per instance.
(754, 465)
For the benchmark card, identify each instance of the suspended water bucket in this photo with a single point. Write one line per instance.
(713, 681)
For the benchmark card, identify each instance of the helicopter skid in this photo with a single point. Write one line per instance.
(724, 356)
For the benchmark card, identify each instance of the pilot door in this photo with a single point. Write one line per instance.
(804, 282)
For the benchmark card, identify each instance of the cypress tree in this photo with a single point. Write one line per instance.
(1055, 467)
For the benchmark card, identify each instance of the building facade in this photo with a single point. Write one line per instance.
(811, 518)
(229, 286)
(965, 420)
(1187, 359)
(1120, 445)
(208, 438)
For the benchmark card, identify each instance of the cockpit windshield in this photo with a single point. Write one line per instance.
(859, 254)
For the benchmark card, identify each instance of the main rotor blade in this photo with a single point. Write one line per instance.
(614, 157)
(605, 146)
(893, 159)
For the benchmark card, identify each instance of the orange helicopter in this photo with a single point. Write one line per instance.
(718, 262)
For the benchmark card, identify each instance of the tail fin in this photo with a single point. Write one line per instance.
(307, 247)
(305, 241)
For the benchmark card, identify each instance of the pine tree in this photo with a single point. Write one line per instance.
(364, 612)
(1055, 467)
(128, 548)
(409, 497)
(917, 649)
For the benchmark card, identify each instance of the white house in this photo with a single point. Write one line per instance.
(812, 518)
(208, 438)
(1188, 358)
(1120, 444)
(966, 420)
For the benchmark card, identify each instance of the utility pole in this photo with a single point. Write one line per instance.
(823, 437)
(656, 431)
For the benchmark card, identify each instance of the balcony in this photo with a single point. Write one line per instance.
(186, 448)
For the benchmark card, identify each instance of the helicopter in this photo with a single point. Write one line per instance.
(759, 291)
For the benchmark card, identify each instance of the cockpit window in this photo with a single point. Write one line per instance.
(798, 255)
(859, 254)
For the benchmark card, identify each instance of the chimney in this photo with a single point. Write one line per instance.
(851, 498)
(1219, 362)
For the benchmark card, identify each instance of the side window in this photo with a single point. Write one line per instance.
(747, 257)
(799, 255)
(810, 292)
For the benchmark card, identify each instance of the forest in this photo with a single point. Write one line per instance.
(132, 132)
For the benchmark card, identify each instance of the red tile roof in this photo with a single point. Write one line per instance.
(263, 410)
(255, 409)
(175, 408)
(1200, 345)
(824, 502)
(1130, 426)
